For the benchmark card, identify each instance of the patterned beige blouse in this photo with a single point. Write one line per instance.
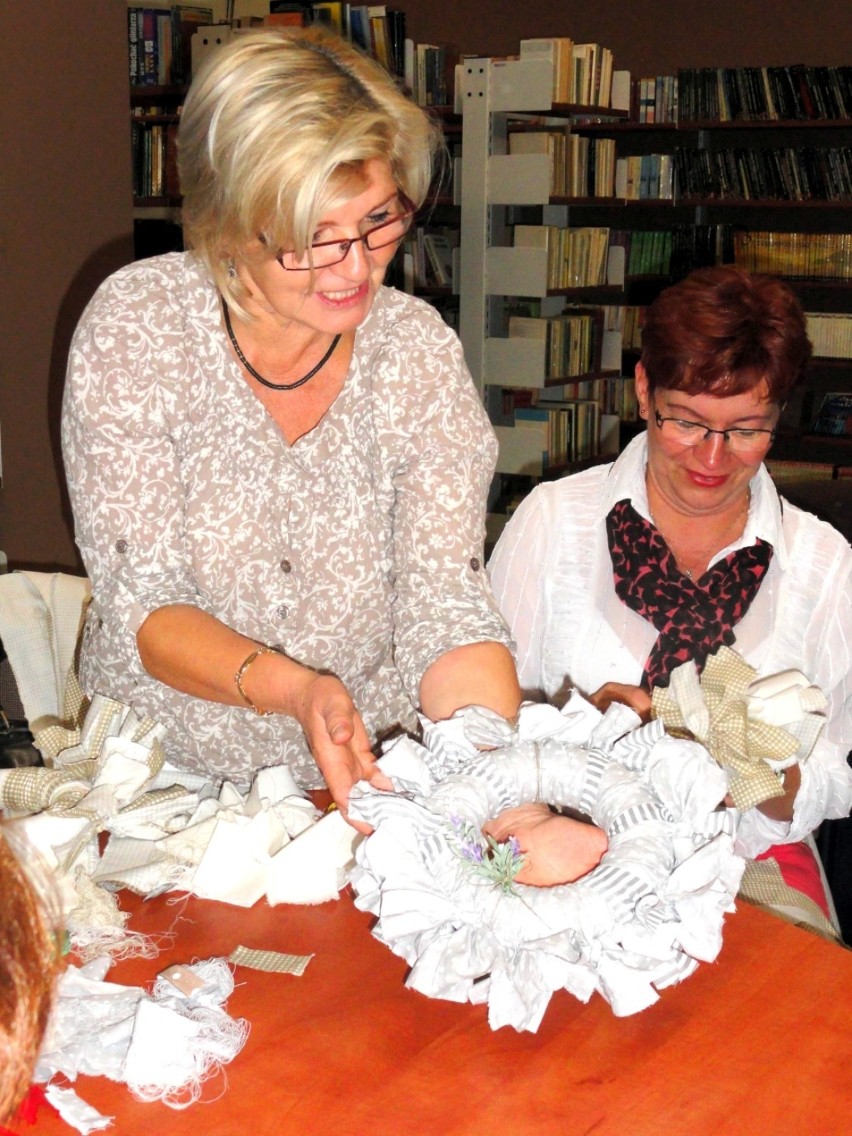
(358, 549)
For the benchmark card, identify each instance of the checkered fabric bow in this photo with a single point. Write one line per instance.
(752, 727)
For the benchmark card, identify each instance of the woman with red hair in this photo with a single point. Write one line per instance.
(613, 577)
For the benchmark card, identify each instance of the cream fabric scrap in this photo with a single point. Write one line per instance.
(41, 615)
(75, 1112)
(274, 962)
(737, 716)
(170, 830)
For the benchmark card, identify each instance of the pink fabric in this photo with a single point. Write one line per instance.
(799, 870)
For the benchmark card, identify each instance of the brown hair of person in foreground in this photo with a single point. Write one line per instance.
(30, 959)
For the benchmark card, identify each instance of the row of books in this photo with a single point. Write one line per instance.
(655, 99)
(588, 257)
(647, 252)
(784, 471)
(159, 42)
(548, 436)
(425, 69)
(572, 341)
(810, 173)
(576, 258)
(645, 177)
(431, 251)
(582, 72)
(154, 160)
(627, 320)
(808, 256)
(729, 94)
(831, 334)
(615, 394)
(579, 166)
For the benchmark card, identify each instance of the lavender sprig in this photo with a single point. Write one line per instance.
(497, 863)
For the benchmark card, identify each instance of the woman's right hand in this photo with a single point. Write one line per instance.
(636, 697)
(337, 739)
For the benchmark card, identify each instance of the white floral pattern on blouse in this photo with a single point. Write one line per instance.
(358, 549)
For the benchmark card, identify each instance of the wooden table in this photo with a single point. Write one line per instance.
(757, 1043)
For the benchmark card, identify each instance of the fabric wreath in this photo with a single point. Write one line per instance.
(642, 920)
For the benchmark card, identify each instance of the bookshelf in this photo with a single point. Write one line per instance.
(503, 258)
(165, 43)
(781, 189)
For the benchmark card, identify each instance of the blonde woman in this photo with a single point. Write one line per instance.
(278, 465)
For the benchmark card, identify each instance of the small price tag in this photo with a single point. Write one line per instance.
(182, 978)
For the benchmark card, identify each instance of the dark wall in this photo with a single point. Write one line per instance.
(65, 223)
(648, 37)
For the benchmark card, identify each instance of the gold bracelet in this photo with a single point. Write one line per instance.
(238, 678)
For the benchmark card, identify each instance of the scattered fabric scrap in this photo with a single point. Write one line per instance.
(164, 1045)
(275, 962)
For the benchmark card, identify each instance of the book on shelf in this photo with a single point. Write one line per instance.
(289, 13)
(186, 19)
(377, 15)
(834, 416)
(331, 13)
(438, 246)
(781, 470)
(558, 52)
(807, 256)
(830, 334)
(755, 94)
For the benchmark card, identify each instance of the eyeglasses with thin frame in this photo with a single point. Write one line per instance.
(324, 254)
(741, 439)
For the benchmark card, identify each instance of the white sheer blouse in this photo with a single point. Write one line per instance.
(552, 578)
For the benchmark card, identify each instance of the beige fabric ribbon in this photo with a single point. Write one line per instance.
(114, 754)
(752, 727)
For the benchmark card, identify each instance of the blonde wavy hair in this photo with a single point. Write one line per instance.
(30, 959)
(276, 129)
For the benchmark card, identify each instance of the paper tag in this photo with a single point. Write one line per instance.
(183, 979)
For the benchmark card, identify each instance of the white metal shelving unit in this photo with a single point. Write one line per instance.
(495, 91)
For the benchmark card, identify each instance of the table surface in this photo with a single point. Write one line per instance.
(757, 1042)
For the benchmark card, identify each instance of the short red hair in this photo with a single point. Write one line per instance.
(724, 331)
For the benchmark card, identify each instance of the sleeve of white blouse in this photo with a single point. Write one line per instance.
(826, 789)
(434, 433)
(122, 469)
(518, 568)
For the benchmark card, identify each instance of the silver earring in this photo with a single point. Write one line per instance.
(232, 269)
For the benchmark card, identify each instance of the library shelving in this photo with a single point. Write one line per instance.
(774, 195)
(508, 266)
